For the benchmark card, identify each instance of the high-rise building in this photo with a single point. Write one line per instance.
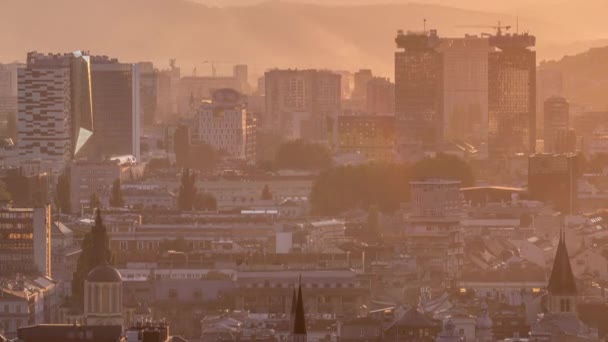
(553, 178)
(565, 141)
(359, 95)
(8, 91)
(556, 118)
(419, 87)
(116, 108)
(373, 136)
(511, 95)
(465, 88)
(55, 118)
(25, 241)
(380, 96)
(549, 82)
(311, 97)
(200, 88)
(149, 78)
(225, 125)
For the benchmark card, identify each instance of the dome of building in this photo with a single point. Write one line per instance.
(104, 274)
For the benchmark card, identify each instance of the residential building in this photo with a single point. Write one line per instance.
(116, 108)
(25, 241)
(432, 229)
(419, 88)
(359, 95)
(556, 119)
(8, 91)
(302, 102)
(327, 291)
(224, 124)
(55, 115)
(380, 96)
(372, 136)
(195, 89)
(511, 95)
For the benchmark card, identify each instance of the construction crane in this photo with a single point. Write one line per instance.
(499, 28)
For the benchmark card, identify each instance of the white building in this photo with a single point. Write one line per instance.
(223, 123)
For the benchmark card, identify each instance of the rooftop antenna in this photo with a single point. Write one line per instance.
(424, 25)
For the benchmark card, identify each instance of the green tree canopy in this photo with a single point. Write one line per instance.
(205, 201)
(94, 201)
(302, 155)
(187, 190)
(95, 251)
(266, 194)
(443, 166)
(181, 145)
(116, 199)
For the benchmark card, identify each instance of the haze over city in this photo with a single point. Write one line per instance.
(303, 171)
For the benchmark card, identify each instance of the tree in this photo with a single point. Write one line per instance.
(205, 201)
(187, 190)
(94, 201)
(95, 251)
(302, 155)
(266, 194)
(443, 166)
(203, 157)
(266, 146)
(358, 187)
(62, 194)
(181, 145)
(373, 219)
(116, 199)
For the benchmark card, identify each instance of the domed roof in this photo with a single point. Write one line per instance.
(104, 274)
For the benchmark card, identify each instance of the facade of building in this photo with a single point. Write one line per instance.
(556, 119)
(380, 97)
(432, 230)
(373, 136)
(549, 83)
(310, 96)
(8, 91)
(465, 88)
(25, 241)
(55, 118)
(419, 87)
(225, 125)
(553, 178)
(511, 95)
(200, 88)
(116, 108)
(88, 178)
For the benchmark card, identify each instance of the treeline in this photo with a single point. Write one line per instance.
(381, 184)
(273, 152)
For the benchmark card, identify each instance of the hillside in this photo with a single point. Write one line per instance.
(282, 34)
(585, 77)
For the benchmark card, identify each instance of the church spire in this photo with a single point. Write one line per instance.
(561, 282)
(298, 332)
(99, 241)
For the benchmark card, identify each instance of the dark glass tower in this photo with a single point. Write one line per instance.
(419, 88)
(511, 95)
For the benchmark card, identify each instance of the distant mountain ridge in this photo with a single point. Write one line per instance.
(273, 33)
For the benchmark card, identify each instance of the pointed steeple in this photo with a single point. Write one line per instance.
(100, 241)
(299, 324)
(561, 282)
(292, 314)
